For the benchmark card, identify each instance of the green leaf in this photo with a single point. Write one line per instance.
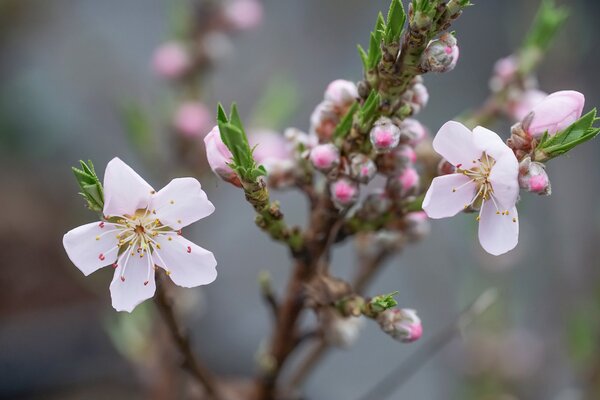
(91, 188)
(368, 111)
(221, 114)
(579, 132)
(547, 22)
(364, 57)
(383, 302)
(395, 22)
(375, 43)
(343, 128)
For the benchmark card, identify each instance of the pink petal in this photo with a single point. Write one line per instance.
(124, 190)
(504, 179)
(127, 294)
(488, 141)
(441, 200)
(181, 203)
(498, 233)
(190, 265)
(91, 246)
(454, 142)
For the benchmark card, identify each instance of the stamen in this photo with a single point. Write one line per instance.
(189, 249)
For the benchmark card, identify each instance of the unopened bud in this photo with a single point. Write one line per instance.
(522, 105)
(533, 177)
(362, 168)
(504, 72)
(417, 96)
(417, 225)
(243, 14)
(342, 331)
(192, 119)
(341, 93)
(441, 55)
(344, 193)
(219, 157)
(555, 113)
(171, 60)
(384, 135)
(402, 324)
(405, 184)
(412, 131)
(325, 157)
(323, 120)
(375, 204)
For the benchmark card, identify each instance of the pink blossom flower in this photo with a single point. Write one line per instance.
(219, 157)
(140, 231)
(527, 101)
(271, 149)
(342, 93)
(171, 60)
(555, 113)
(243, 14)
(192, 119)
(504, 72)
(485, 177)
(325, 157)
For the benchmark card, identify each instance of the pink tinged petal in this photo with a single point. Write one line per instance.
(489, 142)
(124, 190)
(498, 233)
(92, 246)
(505, 180)
(448, 195)
(181, 203)
(136, 286)
(189, 265)
(454, 142)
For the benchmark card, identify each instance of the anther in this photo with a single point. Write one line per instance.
(101, 257)
(101, 224)
(145, 283)
(172, 201)
(97, 237)
(115, 265)
(189, 249)
(122, 279)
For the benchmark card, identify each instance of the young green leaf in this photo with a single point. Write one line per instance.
(91, 188)
(343, 128)
(368, 111)
(383, 302)
(364, 57)
(395, 22)
(547, 22)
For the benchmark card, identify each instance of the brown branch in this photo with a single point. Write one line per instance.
(190, 362)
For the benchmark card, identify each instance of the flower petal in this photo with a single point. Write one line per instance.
(505, 180)
(181, 203)
(127, 294)
(124, 190)
(454, 142)
(92, 246)
(489, 141)
(498, 233)
(189, 264)
(442, 200)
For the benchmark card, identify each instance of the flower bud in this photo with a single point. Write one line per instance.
(375, 204)
(342, 331)
(192, 119)
(243, 14)
(362, 168)
(344, 193)
(405, 184)
(417, 96)
(412, 131)
(402, 324)
(171, 60)
(441, 55)
(219, 156)
(520, 107)
(341, 93)
(533, 177)
(555, 113)
(324, 120)
(271, 150)
(407, 154)
(504, 72)
(325, 157)
(417, 225)
(384, 135)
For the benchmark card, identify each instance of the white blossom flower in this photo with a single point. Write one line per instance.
(486, 177)
(141, 230)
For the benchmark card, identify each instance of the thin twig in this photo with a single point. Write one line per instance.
(182, 341)
(401, 374)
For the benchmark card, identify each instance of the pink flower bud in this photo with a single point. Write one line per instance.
(341, 93)
(417, 225)
(533, 177)
(270, 149)
(325, 157)
(441, 55)
(375, 204)
(243, 14)
(192, 119)
(403, 325)
(344, 193)
(384, 135)
(412, 131)
(417, 96)
(219, 156)
(407, 154)
(504, 72)
(519, 108)
(405, 184)
(555, 113)
(171, 60)
(362, 168)
(324, 120)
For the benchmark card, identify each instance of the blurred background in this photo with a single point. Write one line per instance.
(68, 66)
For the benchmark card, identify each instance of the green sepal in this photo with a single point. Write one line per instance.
(375, 43)
(369, 109)
(395, 22)
(383, 302)
(343, 128)
(91, 188)
(364, 57)
(580, 131)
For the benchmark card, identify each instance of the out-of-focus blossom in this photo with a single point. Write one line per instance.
(341, 93)
(403, 325)
(140, 230)
(344, 193)
(325, 157)
(362, 168)
(526, 101)
(486, 177)
(243, 14)
(219, 157)
(271, 150)
(555, 113)
(192, 119)
(406, 183)
(533, 177)
(384, 135)
(417, 95)
(504, 72)
(417, 225)
(342, 331)
(217, 46)
(171, 60)
(323, 120)
(412, 131)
